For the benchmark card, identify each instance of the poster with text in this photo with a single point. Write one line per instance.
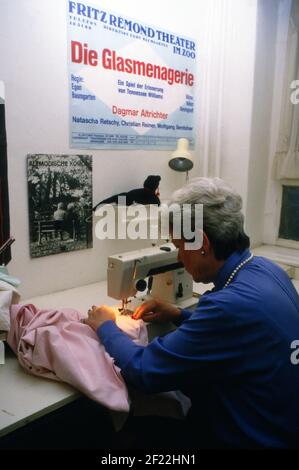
(131, 84)
(60, 203)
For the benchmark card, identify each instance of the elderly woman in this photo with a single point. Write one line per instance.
(231, 355)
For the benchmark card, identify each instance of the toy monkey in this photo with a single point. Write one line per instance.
(149, 194)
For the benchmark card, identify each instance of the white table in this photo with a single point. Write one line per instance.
(24, 397)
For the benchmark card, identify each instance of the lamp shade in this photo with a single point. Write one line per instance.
(181, 159)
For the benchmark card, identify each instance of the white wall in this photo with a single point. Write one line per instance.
(232, 77)
(274, 187)
(263, 95)
(34, 68)
(240, 113)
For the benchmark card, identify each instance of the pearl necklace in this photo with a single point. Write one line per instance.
(236, 270)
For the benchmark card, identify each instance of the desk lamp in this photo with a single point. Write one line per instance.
(181, 158)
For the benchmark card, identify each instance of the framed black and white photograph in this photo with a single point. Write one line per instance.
(60, 203)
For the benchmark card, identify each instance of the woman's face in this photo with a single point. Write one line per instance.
(200, 263)
(192, 260)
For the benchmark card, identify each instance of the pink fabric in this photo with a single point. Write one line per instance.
(54, 344)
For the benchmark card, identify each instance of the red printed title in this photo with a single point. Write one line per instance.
(81, 54)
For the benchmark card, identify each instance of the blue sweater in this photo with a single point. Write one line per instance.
(231, 356)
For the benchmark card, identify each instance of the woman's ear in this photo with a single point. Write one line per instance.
(206, 245)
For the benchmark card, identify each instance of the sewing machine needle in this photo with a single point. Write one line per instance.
(124, 303)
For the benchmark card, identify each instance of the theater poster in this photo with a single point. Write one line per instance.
(131, 84)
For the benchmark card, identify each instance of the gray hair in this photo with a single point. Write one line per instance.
(223, 220)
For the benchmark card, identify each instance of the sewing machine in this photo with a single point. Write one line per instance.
(149, 273)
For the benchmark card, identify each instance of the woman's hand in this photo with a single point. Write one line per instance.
(156, 310)
(98, 315)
